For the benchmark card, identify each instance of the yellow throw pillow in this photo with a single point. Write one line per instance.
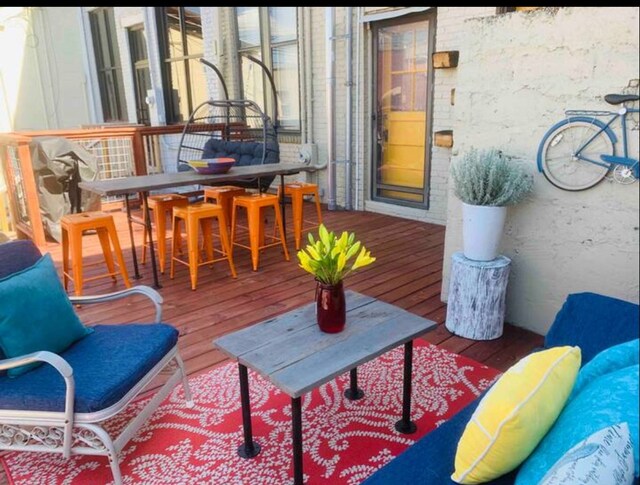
(515, 415)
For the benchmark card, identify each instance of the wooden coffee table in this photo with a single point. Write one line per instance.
(291, 352)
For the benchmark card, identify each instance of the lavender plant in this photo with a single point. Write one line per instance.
(487, 177)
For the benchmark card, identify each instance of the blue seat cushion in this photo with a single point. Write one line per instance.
(106, 365)
(593, 322)
(431, 459)
(16, 256)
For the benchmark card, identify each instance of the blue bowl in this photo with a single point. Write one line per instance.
(210, 166)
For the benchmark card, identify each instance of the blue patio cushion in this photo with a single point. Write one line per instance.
(106, 365)
(16, 256)
(431, 459)
(245, 153)
(593, 322)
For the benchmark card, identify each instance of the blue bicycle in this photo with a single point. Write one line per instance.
(578, 152)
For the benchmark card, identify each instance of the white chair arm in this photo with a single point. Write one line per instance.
(147, 291)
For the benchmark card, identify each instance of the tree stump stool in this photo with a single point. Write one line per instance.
(477, 293)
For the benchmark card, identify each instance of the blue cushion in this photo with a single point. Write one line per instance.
(16, 256)
(611, 397)
(431, 459)
(106, 365)
(593, 322)
(36, 314)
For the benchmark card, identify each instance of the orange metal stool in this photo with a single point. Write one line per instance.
(194, 216)
(73, 226)
(254, 205)
(224, 196)
(297, 191)
(162, 204)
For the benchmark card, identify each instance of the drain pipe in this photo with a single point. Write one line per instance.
(357, 110)
(330, 88)
(349, 120)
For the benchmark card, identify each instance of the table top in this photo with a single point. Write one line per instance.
(291, 351)
(146, 183)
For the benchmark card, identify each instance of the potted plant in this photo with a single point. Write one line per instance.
(487, 182)
(327, 258)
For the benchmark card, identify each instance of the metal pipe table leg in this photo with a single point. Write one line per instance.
(354, 392)
(296, 421)
(136, 272)
(248, 449)
(405, 425)
(154, 266)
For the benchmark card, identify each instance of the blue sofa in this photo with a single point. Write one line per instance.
(592, 322)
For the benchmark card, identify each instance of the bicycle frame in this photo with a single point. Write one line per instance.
(608, 160)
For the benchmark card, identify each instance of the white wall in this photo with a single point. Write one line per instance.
(42, 74)
(517, 74)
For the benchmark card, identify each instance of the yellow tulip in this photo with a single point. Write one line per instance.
(363, 259)
(342, 260)
(314, 254)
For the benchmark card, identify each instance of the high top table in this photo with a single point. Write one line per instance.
(293, 354)
(144, 184)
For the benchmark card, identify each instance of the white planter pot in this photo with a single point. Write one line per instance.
(482, 228)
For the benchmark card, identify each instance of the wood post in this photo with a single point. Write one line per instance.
(477, 293)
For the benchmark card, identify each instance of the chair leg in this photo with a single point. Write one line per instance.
(207, 238)
(185, 382)
(103, 236)
(111, 227)
(227, 247)
(255, 223)
(234, 211)
(144, 237)
(296, 202)
(192, 244)
(160, 218)
(65, 258)
(276, 209)
(175, 244)
(75, 238)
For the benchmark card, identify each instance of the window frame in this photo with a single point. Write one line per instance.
(166, 61)
(266, 48)
(97, 21)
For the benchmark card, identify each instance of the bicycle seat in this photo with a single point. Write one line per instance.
(620, 98)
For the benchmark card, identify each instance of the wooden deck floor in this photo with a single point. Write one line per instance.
(407, 273)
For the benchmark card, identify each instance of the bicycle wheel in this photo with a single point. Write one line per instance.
(560, 165)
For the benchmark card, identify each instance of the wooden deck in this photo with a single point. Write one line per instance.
(407, 273)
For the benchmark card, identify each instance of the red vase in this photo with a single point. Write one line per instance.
(331, 307)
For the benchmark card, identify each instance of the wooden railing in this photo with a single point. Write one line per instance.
(121, 151)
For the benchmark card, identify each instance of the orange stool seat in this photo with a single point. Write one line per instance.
(73, 227)
(297, 191)
(200, 215)
(162, 205)
(254, 204)
(223, 196)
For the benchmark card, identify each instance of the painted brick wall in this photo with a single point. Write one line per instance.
(518, 73)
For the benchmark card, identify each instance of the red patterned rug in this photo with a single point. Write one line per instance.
(344, 441)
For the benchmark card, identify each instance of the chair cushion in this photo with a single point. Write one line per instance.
(609, 395)
(36, 314)
(16, 256)
(106, 365)
(593, 322)
(515, 414)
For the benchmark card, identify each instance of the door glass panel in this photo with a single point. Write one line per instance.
(285, 73)
(248, 26)
(401, 126)
(283, 24)
(252, 85)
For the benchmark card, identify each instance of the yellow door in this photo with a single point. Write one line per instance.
(401, 128)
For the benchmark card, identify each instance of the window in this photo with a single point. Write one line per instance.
(105, 46)
(141, 76)
(270, 34)
(181, 45)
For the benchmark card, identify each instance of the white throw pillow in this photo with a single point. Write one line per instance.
(604, 458)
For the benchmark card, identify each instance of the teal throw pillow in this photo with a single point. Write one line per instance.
(604, 458)
(608, 394)
(36, 314)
